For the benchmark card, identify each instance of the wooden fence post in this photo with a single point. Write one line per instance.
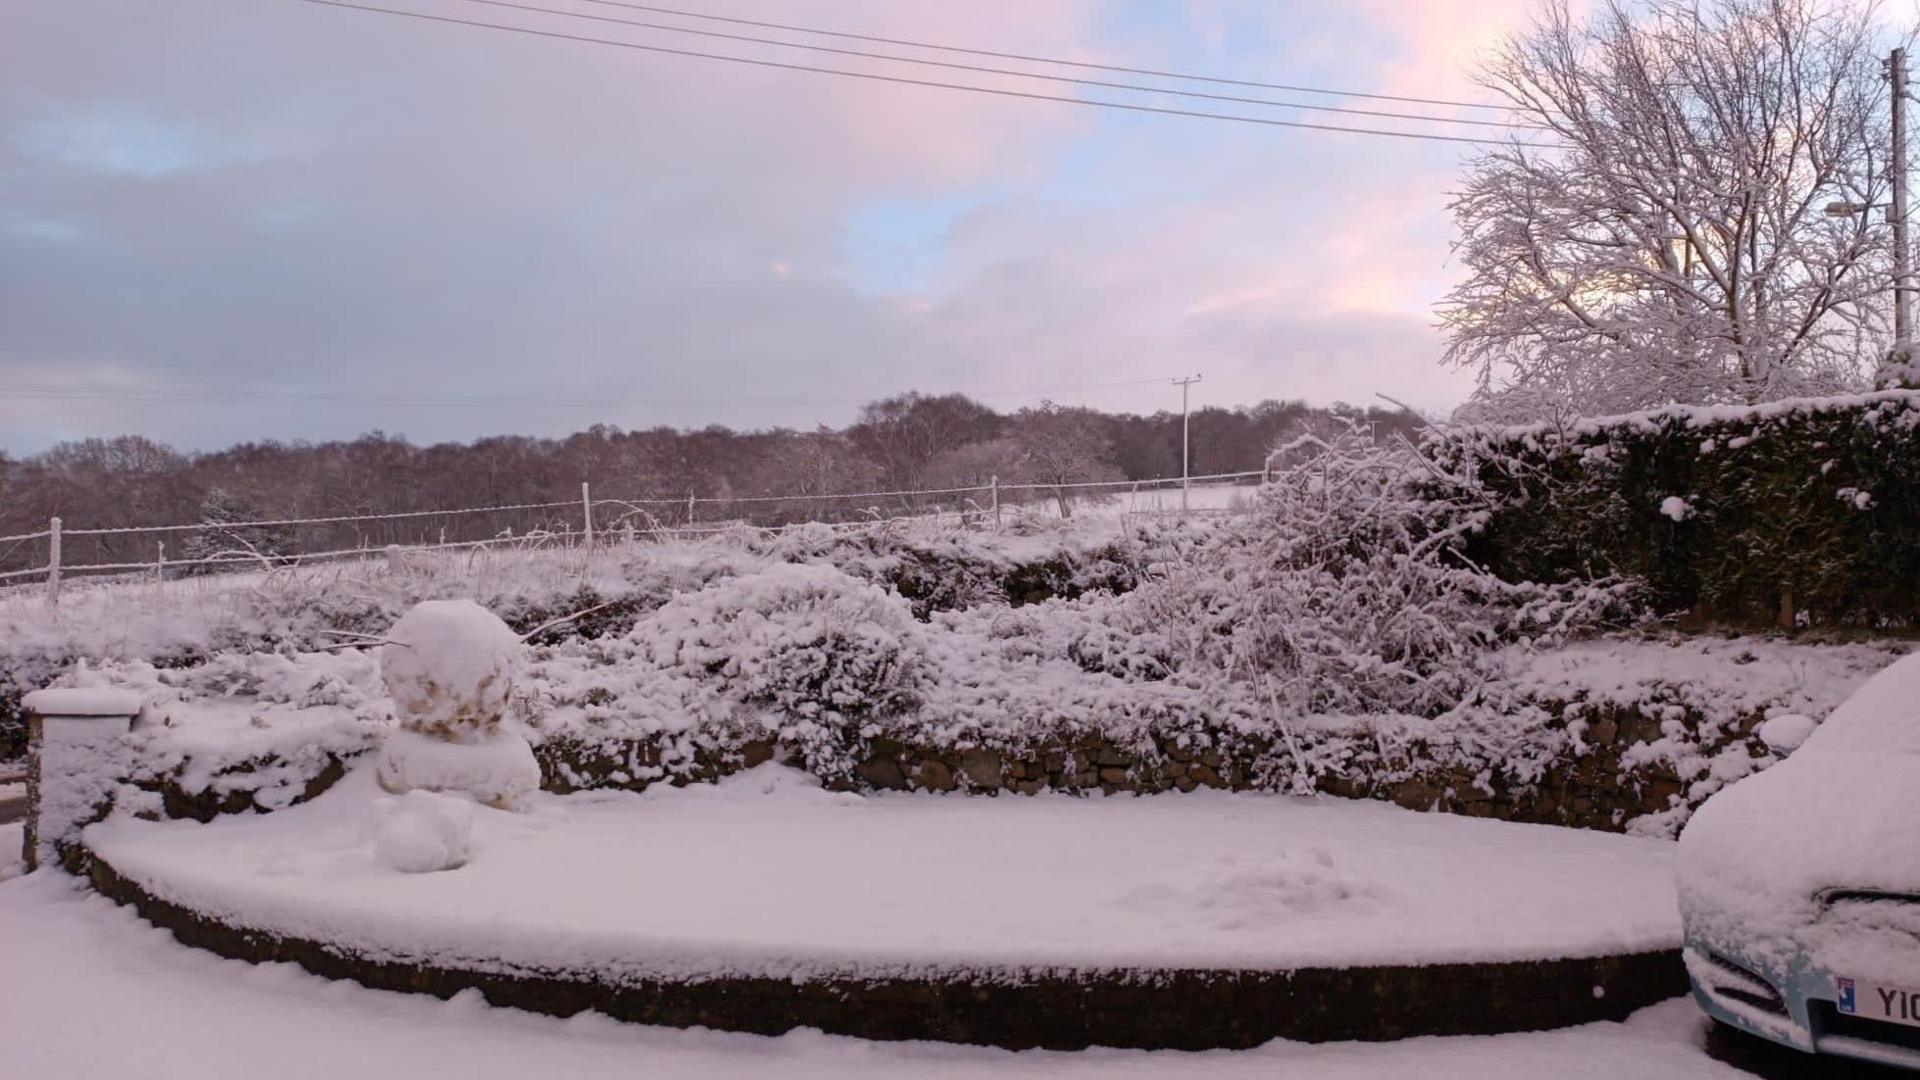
(586, 511)
(53, 561)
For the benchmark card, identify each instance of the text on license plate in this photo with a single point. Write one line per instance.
(1870, 1002)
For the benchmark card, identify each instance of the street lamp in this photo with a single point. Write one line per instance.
(1901, 258)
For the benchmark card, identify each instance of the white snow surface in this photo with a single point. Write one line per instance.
(449, 667)
(96, 701)
(768, 874)
(103, 994)
(1838, 814)
(1724, 677)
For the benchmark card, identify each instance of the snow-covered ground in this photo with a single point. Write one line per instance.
(91, 991)
(1724, 677)
(766, 874)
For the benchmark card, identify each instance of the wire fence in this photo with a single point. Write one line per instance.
(216, 546)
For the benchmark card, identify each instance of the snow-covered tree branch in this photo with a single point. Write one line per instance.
(1676, 244)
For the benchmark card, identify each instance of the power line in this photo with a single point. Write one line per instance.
(894, 58)
(1046, 59)
(871, 76)
(200, 395)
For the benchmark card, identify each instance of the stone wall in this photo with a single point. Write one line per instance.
(1587, 765)
(1606, 778)
(231, 794)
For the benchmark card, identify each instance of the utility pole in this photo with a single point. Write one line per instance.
(1184, 384)
(1897, 173)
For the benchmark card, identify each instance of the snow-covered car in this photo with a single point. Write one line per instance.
(1800, 886)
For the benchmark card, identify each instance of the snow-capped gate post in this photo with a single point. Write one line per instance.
(76, 753)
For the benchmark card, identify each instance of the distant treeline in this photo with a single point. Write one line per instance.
(912, 441)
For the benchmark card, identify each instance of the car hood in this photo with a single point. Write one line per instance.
(1760, 861)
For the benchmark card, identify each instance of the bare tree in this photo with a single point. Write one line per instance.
(1674, 244)
(975, 464)
(905, 432)
(909, 441)
(1062, 445)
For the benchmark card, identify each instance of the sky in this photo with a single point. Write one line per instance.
(227, 220)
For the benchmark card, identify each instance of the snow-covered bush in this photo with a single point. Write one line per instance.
(956, 569)
(1345, 592)
(809, 641)
(1108, 635)
(822, 652)
(934, 566)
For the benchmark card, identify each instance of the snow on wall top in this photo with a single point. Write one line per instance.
(1725, 678)
(95, 701)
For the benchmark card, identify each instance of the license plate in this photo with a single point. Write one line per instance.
(1895, 1005)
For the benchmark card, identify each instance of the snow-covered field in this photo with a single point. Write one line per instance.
(767, 874)
(91, 991)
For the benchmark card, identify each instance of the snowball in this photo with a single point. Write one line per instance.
(449, 667)
(424, 832)
(1784, 733)
(1676, 508)
(499, 772)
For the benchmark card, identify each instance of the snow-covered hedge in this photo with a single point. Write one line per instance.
(185, 623)
(1615, 733)
(1796, 511)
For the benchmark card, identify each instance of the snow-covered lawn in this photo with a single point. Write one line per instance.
(91, 991)
(767, 874)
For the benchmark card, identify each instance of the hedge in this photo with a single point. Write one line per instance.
(1794, 513)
